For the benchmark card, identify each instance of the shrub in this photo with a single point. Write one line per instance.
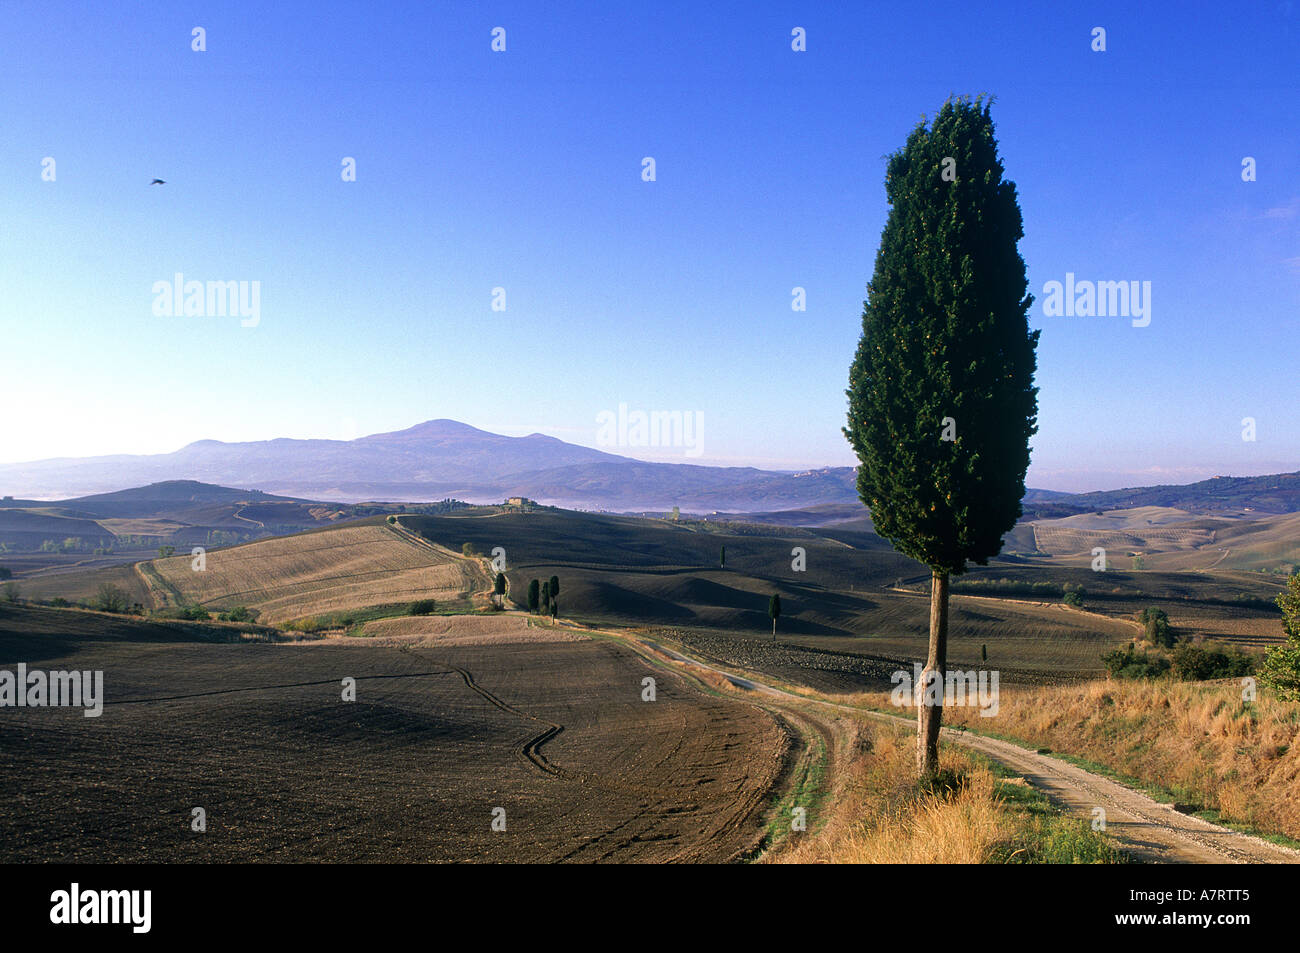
(10, 592)
(309, 624)
(422, 607)
(238, 614)
(468, 549)
(109, 598)
(1155, 626)
(1281, 668)
(1198, 663)
(1073, 598)
(1128, 663)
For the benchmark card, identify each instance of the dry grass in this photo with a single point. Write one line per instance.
(434, 631)
(317, 573)
(880, 816)
(1197, 740)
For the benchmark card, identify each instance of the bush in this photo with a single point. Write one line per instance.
(238, 614)
(1281, 668)
(422, 607)
(6, 572)
(59, 602)
(468, 549)
(309, 624)
(1198, 663)
(109, 598)
(1155, 626)
(1128, 663)
(10, 592)
(192, 613)
(1073, 599)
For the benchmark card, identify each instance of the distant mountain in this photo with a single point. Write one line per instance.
(1273, 494)
(443, 458)
(434, 460)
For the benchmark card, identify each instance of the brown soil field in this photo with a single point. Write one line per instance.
(554, 733)
(1020, 635)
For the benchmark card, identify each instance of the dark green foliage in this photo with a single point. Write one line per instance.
(1280, 670)
(238, 614)
(1074, 597)
(1155, 626)
(1128, 663)
(534, 595)
(555, 596)
(499, 584)
(422, 607)
(1198, 663)
(945, 334)
(774, 607)
(6, 573)
(722, 558)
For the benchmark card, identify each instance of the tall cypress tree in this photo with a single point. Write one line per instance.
(774, 612)
(941, 395)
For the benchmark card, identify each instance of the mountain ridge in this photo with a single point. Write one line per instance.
(443, 458)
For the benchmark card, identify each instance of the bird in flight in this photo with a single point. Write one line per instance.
(157, 182)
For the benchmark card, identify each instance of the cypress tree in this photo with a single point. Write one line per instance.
(941, 395)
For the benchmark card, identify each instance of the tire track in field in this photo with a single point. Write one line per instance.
(263, 688)
(531, 750)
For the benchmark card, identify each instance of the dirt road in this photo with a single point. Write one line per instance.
(1151, 831)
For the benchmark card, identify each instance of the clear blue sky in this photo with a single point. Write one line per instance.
(522, 170)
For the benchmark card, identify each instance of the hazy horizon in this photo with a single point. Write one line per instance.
(1068, 483)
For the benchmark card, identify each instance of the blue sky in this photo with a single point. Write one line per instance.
(522, 170)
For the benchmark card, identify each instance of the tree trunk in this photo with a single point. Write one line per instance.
(929, 704)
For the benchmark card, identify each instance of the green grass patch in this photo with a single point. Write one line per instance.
(1047, 835)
